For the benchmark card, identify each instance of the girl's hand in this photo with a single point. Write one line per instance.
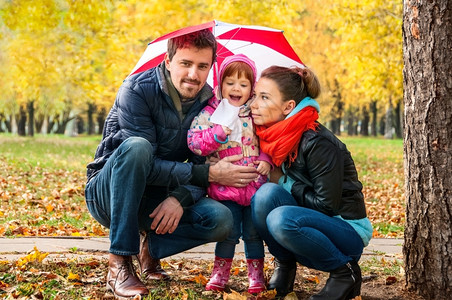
(263, 167)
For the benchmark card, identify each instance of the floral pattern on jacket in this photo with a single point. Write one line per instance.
(204, 138)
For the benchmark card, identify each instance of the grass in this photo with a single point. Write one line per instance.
(52, 152)
(42, 181)
(70, 278)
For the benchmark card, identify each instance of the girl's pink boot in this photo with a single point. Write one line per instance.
(256, 277)
(220, 274)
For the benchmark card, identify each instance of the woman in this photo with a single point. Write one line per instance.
(312, 211)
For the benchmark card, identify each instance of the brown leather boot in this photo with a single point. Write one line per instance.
(122, 279)
(148, 266)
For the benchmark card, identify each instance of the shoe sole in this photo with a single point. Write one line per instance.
(136, 297)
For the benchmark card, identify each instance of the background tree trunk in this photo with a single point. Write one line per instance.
(21, 125)
(398, 120)
(373, 126)
(101, 115)
(364, 130)
(91, 110)
(427, 44)
(31, 117)
(389, 121)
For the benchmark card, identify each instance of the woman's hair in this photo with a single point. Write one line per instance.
(201, 39)
(241, 68)
(293, 83)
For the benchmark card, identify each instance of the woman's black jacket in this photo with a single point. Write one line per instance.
(325, 176)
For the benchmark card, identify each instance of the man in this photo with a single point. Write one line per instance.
(145, 179)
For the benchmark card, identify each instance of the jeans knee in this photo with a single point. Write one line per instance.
(263, 201)
(277, 222)
(224, 226)
(138, 149)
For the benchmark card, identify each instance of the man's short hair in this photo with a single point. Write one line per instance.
(201, 39)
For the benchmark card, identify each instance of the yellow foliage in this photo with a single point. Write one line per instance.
(73, 277)
(63, 54)
(34, 256)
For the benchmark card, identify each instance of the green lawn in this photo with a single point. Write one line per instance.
(42, 182)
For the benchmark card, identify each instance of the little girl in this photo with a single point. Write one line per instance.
(225, 128)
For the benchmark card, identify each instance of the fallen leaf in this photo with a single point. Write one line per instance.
(390, 280)
(73, 276)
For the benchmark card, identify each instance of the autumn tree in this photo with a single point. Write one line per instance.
(427, 44)
(369, 53)
(31, 54)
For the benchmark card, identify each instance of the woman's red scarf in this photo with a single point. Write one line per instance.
(281, 139)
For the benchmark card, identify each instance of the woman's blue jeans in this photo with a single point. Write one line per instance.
(310, 237)
(243, 227)
(120, 197)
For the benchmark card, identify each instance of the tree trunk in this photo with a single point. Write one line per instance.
(382, 124)
(2, 120)
(389, 121)
(398, 120)
(373, 126)
(351, 120)
(337, 110)
(427, 44)
(13, 123)
(61, 128)
(39, 122)
(364, 130)
(31, 117)
(8, 124)
(101, 120)
(21, 125)
(91, 110)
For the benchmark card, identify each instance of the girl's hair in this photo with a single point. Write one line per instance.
(241, 68)
(293, 83)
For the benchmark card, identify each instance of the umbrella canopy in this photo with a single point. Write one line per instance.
(266, 46)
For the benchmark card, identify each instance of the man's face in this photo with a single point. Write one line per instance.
(189, 69)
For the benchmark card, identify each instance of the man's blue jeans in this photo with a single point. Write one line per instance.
(120, 197)
(243, 227)
(310, 237)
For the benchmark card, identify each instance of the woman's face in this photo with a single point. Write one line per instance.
(268, 107)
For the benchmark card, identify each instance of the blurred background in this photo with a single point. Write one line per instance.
(62, 61)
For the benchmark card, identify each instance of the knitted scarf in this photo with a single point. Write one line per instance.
(281, 140)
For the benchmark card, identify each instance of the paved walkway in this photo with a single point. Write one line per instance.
(63, 247)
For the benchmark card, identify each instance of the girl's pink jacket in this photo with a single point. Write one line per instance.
(205, 138)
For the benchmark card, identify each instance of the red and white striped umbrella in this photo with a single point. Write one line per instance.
(266, 46)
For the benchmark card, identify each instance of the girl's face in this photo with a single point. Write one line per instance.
(268, 107)
(236, 89)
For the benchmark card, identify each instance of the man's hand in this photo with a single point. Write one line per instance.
(166, 216)
(224, 172)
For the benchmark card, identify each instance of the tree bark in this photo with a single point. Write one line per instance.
(427, 44)
(337, 110)
(31, 117)
(91, 110)
(101, 115)
(351, 122)
(374, 111)
(398, 124)
(389, 121)
(21, 125)
(364, 130)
